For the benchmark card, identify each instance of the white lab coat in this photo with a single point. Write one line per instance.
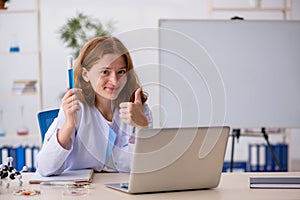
(88, 145)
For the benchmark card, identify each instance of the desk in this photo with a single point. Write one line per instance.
(232, 186)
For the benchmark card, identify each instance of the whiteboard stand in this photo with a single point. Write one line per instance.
(265, 135)
(237, 133)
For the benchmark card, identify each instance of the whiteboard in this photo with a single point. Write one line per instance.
(237, 73)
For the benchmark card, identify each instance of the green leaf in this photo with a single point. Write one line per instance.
(80, 29)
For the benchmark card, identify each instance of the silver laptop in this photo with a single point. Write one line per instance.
(173, 159)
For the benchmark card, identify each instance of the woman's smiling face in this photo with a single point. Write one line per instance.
(108, 76)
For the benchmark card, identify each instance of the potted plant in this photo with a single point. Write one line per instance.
(2, 4)
(81, 28)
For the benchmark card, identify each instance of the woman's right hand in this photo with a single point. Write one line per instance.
(70, 104)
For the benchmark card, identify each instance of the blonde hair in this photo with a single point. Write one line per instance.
(94, 50)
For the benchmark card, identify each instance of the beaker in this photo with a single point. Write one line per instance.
(22, 129)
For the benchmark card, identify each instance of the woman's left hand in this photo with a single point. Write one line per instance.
(132, 113)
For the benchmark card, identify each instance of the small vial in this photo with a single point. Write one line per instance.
(14, 47)
(2, 129)
(70, 63)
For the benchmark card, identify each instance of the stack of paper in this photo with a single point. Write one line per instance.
(74, 176)
(24, 86)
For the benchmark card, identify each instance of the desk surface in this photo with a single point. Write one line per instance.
(232, 186)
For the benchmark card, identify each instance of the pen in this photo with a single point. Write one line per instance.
(70, 62)
(57, 183)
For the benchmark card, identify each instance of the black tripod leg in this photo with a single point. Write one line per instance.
(263, 130)
(232, 152)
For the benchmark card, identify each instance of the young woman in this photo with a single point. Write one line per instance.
(96, 124)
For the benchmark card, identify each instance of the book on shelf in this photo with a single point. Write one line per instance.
(24, 155)
(262, 160)
(24, 86)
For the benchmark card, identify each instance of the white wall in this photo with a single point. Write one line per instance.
(132, 18)
(137, 21)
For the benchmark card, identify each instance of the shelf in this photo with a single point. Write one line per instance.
(14, 140)
(18, 11)
(251, 9)
(21, 53)
(23, 65)
(285, 9)
(12, 94)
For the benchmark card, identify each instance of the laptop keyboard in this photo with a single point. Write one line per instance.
(124, 185)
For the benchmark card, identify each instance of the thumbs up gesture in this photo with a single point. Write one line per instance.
(132, 113)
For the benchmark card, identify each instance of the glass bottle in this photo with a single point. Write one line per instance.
(14, 47)
(2, 129)
(22, 130)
